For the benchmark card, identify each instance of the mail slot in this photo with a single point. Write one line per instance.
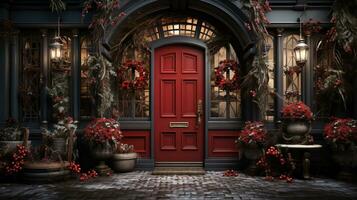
(178, 124)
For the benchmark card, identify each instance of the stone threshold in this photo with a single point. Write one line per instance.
(178, 171)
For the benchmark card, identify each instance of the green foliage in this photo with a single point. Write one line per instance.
(101, 70)
(59, 93)
(345, 19)
(11, 132)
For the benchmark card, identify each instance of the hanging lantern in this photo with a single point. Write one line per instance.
(301, 52)
(301, 49)
(55, 48)
(56, 45)
(27, 45)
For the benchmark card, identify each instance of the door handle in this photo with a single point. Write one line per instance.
(199, 112)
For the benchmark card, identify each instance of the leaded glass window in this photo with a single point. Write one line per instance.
(269, 52)
(329, 83)
(86, 108)
(134, 104)
(224, 104)
(30, 85)
(60, 78)
(184, 26)
(292, 72)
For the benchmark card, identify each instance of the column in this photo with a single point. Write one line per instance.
(14, 71)
(44, 78)
(307, 76)
(355, 95)
(250, 110)
(4, 75)
(76, 76)
(278, 81)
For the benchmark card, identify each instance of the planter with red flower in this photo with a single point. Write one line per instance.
(341, 135)
(102, 134)
(252, 141)
(297, 119)
(124, 159)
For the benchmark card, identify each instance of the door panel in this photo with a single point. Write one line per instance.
(168, 95)
(179, 86)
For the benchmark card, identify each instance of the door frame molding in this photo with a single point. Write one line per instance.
(186, 41)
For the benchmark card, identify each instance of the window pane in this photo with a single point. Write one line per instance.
(292, 75)
(269, 52)
(134, 104)
(224, 104)
(30, 76)
(59, 80)
(172, 26)
(85, 94)
(328, 79)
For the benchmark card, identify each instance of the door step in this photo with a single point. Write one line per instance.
(178, 164)
(178, 171)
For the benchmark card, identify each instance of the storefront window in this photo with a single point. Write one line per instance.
(269, 52)
(292, 72)
(30, 76)
(329, 83)
(134, 103)
(224, 104)
(86, 100)
(60, 78)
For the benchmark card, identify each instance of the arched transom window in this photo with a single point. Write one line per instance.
(186, 26)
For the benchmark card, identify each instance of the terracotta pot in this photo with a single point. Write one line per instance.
(10, 146)
(124, 162)
(296, 131)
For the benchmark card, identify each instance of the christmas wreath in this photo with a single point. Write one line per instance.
(133, 76)
(222, 75)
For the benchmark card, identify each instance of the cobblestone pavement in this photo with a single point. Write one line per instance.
(143, 185)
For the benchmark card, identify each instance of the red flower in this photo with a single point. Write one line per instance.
(253, 132)
(102, 130)
(17, 160)
(341, 130)
(125, 85)
(297, 110)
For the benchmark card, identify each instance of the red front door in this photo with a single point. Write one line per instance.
(179, 97)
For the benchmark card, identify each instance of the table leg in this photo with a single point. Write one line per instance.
(306, 165)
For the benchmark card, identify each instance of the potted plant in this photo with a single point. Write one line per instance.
(297, 119)
(58, 138)
(252, 141)
(124, 158)
(102, 135)
(341, 135)
(44, 165)
(11, 136)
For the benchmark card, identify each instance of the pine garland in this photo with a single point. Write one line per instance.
(100, 68)
(256, 80)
